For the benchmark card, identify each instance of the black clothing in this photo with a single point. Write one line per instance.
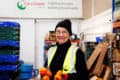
(80, 66)
(58, 59)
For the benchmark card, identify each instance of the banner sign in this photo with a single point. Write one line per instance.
(41, 8)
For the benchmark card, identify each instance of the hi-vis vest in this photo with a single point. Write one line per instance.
(70, 59)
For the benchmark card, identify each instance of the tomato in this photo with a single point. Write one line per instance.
(43, 71)
(59, 72)
(46, 77)
(49, 73)
(58, 77)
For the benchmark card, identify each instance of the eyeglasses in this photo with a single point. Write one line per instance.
(61, 32)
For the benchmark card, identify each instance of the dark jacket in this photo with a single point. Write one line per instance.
(80, 66)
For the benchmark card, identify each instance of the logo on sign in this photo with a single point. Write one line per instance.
(20, 5)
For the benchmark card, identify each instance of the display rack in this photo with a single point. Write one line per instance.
(116, 50)
(97, 57)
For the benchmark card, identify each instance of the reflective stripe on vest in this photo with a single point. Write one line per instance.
(70, 59)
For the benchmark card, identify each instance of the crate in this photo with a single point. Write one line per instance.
(9, 58)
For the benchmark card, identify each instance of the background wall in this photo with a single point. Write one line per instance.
(94, 7)
(101, 6)
(97, 25)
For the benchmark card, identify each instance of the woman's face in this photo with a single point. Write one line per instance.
(62, 35)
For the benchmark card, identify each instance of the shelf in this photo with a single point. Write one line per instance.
(75, 41)
(50, 41)
(53, 41)
(116, 25)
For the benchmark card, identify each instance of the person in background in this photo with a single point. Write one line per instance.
(65, 56)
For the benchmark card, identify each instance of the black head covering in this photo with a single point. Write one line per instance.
(66, 23)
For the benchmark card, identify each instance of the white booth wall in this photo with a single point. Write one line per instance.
(96, 26)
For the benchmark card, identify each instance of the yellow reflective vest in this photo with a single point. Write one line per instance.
(70, 59)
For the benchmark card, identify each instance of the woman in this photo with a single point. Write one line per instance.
(66, 56)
